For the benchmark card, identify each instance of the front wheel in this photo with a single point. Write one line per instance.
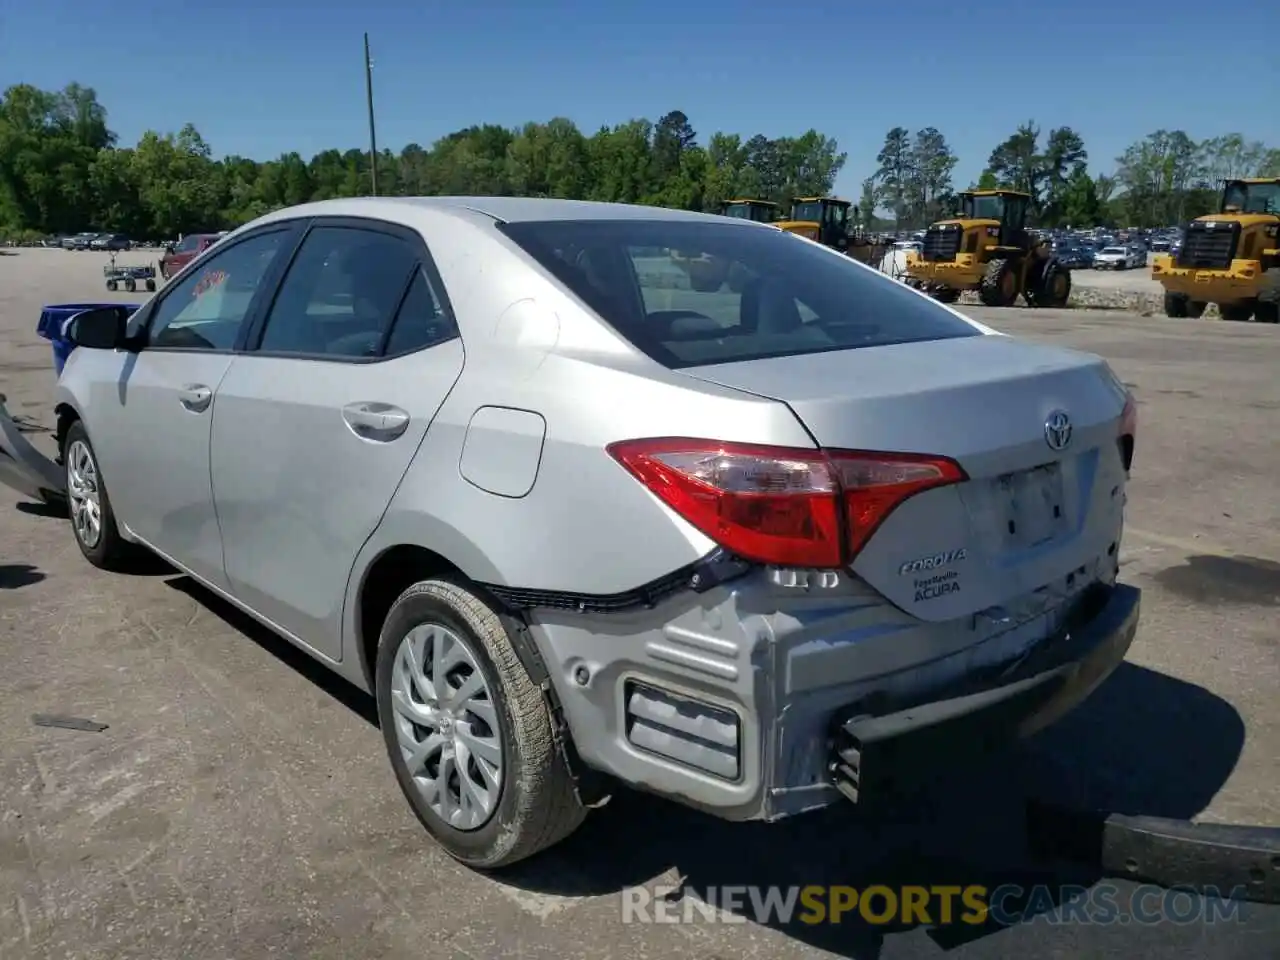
(999, 286)
(468, 732)
(93, 522)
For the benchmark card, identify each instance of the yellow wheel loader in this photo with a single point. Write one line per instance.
(1231, 258)
(987, 248)
(826, 220)
(762, 211)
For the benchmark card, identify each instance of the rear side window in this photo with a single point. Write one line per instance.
(421, 322)
(340, 293)
(689, 293)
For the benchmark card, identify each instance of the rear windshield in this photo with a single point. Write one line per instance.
(689, 293)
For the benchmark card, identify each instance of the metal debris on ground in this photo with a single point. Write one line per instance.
(68, 723)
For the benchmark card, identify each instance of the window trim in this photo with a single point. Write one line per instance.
(423, 262)
(270, 279)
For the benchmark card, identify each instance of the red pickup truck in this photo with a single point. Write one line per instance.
(176, 256)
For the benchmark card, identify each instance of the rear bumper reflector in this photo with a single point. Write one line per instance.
(686, 731)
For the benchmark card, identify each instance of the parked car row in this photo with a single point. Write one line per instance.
(96, 241)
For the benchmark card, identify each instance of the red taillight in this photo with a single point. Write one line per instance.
(781, 505)
(874, 484)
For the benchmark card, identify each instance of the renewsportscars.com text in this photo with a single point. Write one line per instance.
(937, 905)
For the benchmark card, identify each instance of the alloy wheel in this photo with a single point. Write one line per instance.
(447, 726)
(84, 494)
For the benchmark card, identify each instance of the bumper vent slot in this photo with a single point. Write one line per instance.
(685, 731)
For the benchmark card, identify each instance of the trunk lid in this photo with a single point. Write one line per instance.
(1030, 521)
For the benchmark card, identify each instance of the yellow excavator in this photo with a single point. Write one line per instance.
(762, 211)
(1231, 258)
(988, 248)
(826, 220)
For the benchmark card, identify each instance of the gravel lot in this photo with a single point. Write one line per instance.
(1132, 281)
(239, 805)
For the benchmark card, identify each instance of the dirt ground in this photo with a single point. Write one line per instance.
(239, 804)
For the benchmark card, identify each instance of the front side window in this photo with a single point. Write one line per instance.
(811, 210)
(340, 294)
(205, 310)
(984, 208)
(689, 293)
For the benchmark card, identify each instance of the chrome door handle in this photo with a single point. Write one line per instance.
(370, 420)
(195, 397)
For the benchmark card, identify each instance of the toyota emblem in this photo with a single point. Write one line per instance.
(1057, 430)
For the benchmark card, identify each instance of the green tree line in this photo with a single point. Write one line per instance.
(62, 170)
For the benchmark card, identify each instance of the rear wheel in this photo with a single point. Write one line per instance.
(999, 286)
(944, 294)
(468, 732)
(1267, 311)
(1175, 304)
(1196, 308)
(1052, 288)
(1236, 312)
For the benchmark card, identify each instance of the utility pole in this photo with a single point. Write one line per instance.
(373, 136)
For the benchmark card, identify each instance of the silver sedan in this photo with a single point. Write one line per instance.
(589, 494)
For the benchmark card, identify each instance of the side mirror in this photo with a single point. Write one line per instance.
(102, 328)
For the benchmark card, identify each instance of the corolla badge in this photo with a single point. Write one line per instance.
(1057, 430)
(934, 562)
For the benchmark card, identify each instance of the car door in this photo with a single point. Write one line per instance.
(318, 421)
(151, 428)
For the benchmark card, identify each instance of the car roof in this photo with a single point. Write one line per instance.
(504, 209)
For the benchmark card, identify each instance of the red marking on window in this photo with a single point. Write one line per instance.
(213, 278)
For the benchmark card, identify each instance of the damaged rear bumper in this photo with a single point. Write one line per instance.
(24, 468)
(908, 743)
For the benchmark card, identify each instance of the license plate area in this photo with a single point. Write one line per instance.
(1035, 511)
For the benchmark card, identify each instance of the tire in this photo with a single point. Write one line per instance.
(107, 550)
(536, 805)
(999, 286)
(945, 294)
(1236, 312)
(112, 285)
(1175, 304)
(131, 285)
(1196, 308)
(1267, 311)
(1052, 287)
(151, 285)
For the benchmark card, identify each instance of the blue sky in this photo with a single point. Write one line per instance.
(261, 77)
